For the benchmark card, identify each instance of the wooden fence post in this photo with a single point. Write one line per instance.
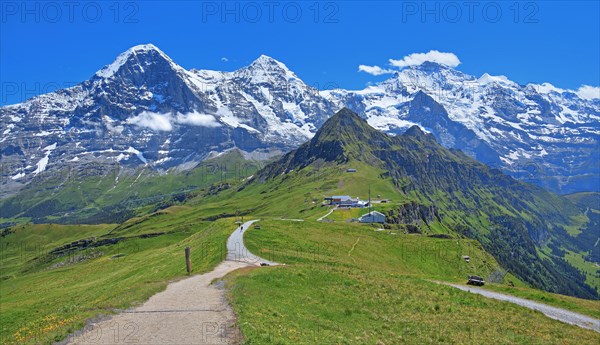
(188, 263)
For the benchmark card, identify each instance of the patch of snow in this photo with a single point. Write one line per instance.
(41, 165)
(18, 176)
(8, 128)
(137, 153)
(42, 134)
(121, 156)
(162, 160)
(49, 148)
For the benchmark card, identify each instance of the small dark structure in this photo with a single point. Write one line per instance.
(257, 227)
(264, 264)
(475, 280)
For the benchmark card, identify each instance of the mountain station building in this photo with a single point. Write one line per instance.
(372, 217)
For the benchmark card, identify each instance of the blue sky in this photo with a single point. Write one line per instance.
(44, 46)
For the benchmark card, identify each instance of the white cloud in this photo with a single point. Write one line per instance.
(224, 59)
(447, 59)
(165, 122)
(588, 92)
(154, 121)
(197, 119)
(374, 70)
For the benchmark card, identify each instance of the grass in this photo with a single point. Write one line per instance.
(338, 305)
(342, 214)
(310, 241)
(345, 284)
(299, 194)
(42, 304)
(590, 269)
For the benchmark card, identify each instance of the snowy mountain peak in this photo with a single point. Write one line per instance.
(144, 48)
(265, 66)
(546, 88)
(430, 76)
(499, 79)
(140, 55)
(267, 60)
(430, 66)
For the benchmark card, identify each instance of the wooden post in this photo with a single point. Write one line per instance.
(188, 263)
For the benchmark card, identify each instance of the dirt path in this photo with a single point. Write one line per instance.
(237, 251)
(328, 213)
(552, 312)
(190, 311)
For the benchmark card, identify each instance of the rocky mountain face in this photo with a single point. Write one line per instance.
(144, 109)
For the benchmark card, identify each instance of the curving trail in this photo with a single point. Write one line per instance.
(327, 215)
(189, 311)
(559, 314)
(237, 251)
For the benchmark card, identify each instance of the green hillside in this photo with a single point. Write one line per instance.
(50, 287)
(516, 222)
(346, 284)
(337, 276)
(96, 194)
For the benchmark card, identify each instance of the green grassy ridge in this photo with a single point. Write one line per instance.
(286, 194)
(346, 284)
(96, 193)
(45, 304)
(358, 245)
(26, 242)
(298, 194)
(337, 305)
(504, 214)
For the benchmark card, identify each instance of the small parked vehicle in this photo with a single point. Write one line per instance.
(264, 264)
(475, 280)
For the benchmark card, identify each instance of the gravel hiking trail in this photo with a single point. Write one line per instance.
(193, 310)
(559, 314)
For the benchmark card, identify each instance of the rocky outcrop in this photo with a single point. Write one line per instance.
(413, 213)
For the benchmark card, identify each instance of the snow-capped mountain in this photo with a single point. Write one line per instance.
(539, 133)
(144, 109)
